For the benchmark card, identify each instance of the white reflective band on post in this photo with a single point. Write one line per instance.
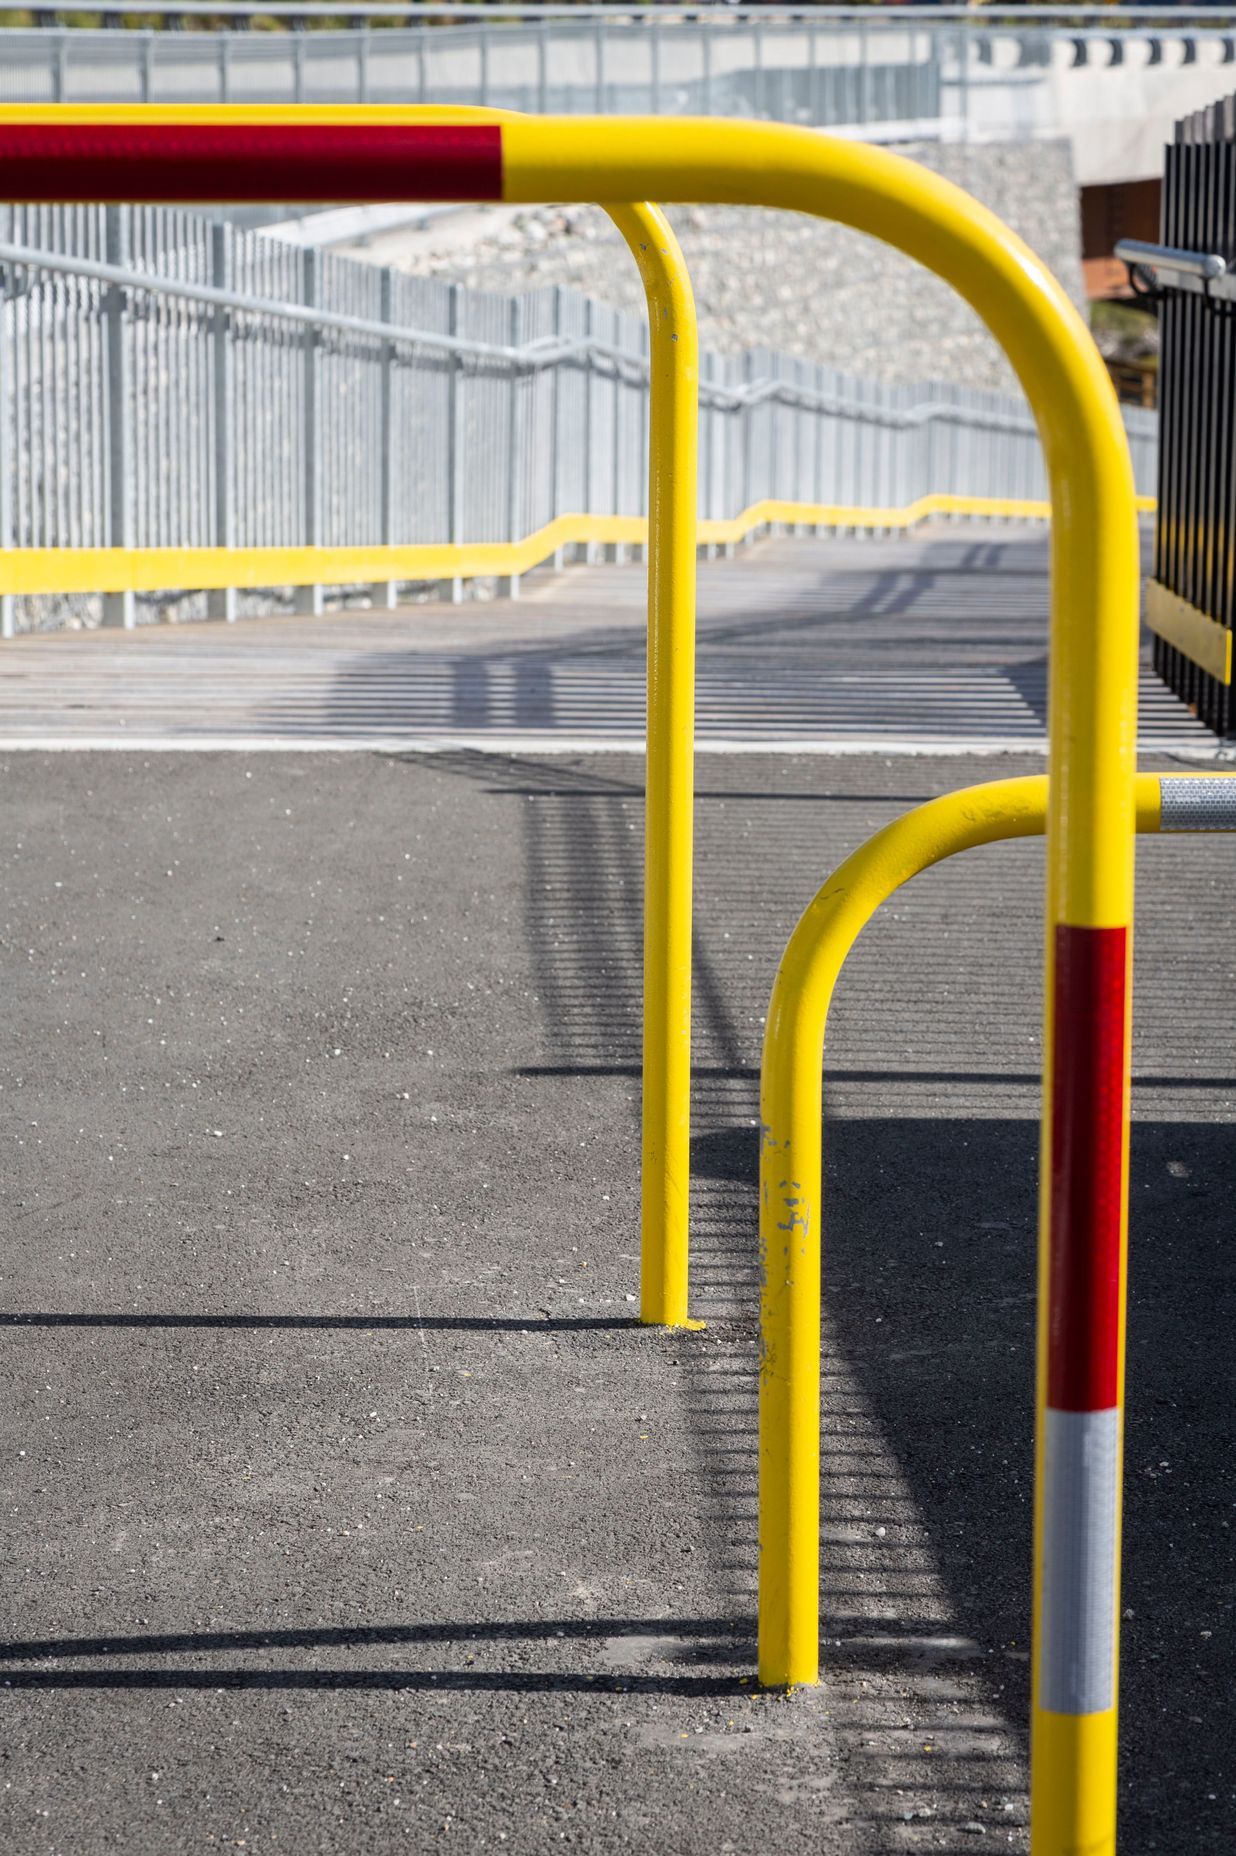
(1078, 1637)
(1198, 803)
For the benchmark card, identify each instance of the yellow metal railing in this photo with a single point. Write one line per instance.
(791, 1105)
(153, 570)
(791, 1117)
(361, 153)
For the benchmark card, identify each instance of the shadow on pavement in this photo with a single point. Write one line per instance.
(929, 1299)
(445, 1324)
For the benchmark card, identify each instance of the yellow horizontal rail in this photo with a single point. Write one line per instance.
(1202, 640)
(154, 570)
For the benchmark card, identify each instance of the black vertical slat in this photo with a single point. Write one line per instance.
(1165, 514)
(1186, 406)
(1225, 611)
(1220, 419)
(1207, 462)
(1190, 412)
(1165, 517)
(1166, 385)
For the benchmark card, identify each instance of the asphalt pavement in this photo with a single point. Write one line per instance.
(347, 1509)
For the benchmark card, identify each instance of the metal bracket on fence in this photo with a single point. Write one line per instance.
(1154, 270)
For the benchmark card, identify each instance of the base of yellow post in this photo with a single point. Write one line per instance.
(1073, 1784)
(685, 1324)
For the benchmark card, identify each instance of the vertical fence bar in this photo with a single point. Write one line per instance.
(308, 599)
(589, 426)
(221, 603)
(118, 608)
(454, 434)
(7, 537)
(617, 552)
(385, 593)
(559, 458)
(509, 583)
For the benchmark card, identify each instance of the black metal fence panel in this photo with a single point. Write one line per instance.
(1195, 535)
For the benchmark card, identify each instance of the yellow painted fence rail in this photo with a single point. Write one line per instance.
(155, 570)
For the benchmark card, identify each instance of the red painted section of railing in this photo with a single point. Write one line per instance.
(200, 162)
(1087, 1167)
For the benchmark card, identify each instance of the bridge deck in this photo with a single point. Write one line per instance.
(935, 642)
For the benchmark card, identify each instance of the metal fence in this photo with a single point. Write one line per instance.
(946, 70)
(169, 381)
(1195, 532)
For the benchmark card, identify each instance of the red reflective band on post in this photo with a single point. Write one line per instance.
(250, 161)
(1087, 1166)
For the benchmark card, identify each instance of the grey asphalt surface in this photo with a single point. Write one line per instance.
(347, 1512)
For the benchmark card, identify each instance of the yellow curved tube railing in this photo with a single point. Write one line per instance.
(791, 1100)
(1092, 704)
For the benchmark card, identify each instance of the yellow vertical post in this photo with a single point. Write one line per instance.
(669, 796)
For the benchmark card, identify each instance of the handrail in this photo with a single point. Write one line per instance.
(26, 571)
(542, 352)
(333, 155)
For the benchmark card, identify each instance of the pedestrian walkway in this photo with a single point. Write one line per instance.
(346, 1508)
(932, 643)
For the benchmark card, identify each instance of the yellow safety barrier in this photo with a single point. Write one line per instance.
(791, 1111)
(337, 154)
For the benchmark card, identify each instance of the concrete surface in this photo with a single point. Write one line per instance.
(346, 1512)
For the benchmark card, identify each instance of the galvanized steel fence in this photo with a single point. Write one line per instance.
(167, 381)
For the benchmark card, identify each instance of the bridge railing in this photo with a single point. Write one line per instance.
(171, 383)
(939, 72)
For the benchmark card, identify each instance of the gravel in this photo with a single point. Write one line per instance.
(800, 286)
